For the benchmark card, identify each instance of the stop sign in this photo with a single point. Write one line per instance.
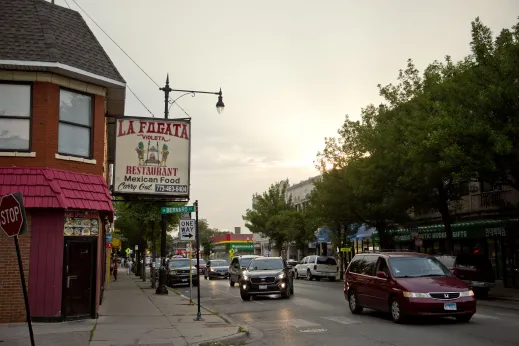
(11, 215)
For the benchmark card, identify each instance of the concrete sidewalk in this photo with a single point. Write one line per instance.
(131, 314)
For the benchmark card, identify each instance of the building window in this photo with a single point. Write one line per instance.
(75, 124)
(15, 117)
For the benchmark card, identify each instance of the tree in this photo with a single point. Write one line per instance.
(267, 216)
(205, 234)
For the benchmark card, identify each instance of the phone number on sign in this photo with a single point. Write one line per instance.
(171, 188)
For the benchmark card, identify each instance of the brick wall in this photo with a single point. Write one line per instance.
(44, 133)
(12, 306)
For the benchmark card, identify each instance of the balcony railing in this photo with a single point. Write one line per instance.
(494, 199)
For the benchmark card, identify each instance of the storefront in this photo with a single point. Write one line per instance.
(64, 247)
(497, 239)
(225, 246)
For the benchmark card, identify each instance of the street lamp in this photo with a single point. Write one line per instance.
(162, 289)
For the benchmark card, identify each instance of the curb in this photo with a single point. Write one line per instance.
(246, 334)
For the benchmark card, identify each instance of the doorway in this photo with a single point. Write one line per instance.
(79, 273)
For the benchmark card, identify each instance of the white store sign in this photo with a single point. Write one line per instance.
(152, 157)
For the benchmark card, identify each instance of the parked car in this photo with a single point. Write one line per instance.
(238, 264)
(406, 284)
(266, 276)
(292, 266)
(178, 272)
(475, 270)
(317, 267)
(200, 265)
(216, 268)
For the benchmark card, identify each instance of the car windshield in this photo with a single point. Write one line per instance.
(218, 263)
(266, 264)
(244, 262)
(414, 267)
(179, 263)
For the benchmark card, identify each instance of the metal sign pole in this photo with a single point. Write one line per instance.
(190, 273)
(24, 288)
(199, 314)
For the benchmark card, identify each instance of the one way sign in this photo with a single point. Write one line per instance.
(187, 229)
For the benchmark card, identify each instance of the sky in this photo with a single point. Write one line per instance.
(290, 71)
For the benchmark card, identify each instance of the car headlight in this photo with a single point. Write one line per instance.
(212, 269)
(467, 293)
(281, 276)
(245, 277)
(173, 272)
(416, 295)
(193, 270)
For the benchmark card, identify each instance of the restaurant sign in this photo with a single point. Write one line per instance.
(152, 157)
(81, 223)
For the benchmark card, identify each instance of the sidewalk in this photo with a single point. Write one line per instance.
(131, 314)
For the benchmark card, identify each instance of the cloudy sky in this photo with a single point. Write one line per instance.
(289, 71)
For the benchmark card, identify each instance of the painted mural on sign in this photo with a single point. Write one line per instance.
(152, 157)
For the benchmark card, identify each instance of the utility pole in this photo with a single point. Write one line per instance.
(162, 289)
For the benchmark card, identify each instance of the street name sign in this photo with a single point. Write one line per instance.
(12, 214)
(177, 210)
(187, 229)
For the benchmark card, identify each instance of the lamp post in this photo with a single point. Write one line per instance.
(162, 289)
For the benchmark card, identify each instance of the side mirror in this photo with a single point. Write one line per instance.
(382, 275)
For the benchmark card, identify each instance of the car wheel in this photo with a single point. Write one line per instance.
(331, 278)
(309, 276)
(296, 275)
(481, 293)
(396, 311)
(244, 296)
(205, 277)
(463, 318)
(195, 283)
(355, 308)
(292, 288)
(231, 283)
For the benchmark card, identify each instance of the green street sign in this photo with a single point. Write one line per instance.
(177, 210)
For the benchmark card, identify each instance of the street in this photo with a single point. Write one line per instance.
(318, 315)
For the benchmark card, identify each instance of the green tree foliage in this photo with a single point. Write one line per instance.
(205, 234)
(435, 130)
(270, 215)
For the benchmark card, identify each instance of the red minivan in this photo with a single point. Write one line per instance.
(406, 284)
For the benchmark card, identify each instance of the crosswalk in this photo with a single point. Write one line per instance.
(328, 321)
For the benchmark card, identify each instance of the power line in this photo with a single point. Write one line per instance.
(129, 57)
(67, 4)
(138, 99)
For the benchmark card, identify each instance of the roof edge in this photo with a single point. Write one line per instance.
(64, 67)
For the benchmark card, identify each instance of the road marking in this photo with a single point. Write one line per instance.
(313, 330)
(341, 319)
(486, 316)
(505, 314)
(299, 323)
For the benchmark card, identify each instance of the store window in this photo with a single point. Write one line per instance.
(15, 117)
(75, 124)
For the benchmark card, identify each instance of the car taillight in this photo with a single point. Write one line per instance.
(315, 267)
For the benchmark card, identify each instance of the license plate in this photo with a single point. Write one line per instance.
(262, 287)
(450, 306)
(184, 280)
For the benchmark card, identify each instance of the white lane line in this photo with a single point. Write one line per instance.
(486, 316)
(506, 314)
(341, 319)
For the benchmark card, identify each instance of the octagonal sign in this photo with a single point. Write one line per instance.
(12, 214)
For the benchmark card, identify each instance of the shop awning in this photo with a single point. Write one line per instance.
(363, 232)
(52, 188)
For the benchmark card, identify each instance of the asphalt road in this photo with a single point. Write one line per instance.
(318, 314)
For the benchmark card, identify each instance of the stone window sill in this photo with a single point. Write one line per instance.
(76, 159)
(17, 154)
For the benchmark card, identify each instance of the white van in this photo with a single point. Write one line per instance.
(317, 267)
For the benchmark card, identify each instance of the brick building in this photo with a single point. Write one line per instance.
(57, 85)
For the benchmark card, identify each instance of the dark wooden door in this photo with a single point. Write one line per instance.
(79, 277)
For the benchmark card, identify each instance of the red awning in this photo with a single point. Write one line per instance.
(52, 188)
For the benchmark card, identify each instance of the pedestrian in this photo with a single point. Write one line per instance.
(116, 268)
(129, 264)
